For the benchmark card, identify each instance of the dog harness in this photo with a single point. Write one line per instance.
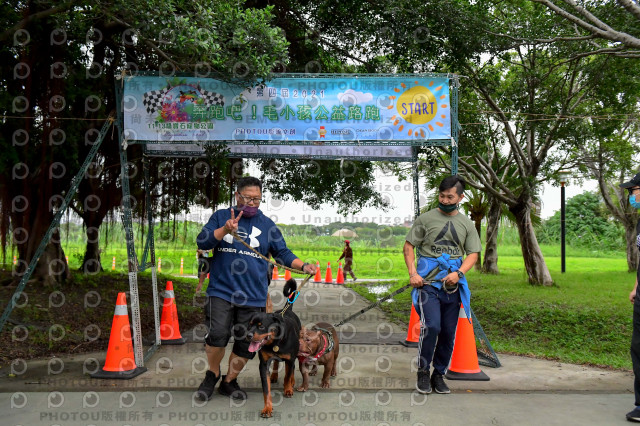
(329, 343)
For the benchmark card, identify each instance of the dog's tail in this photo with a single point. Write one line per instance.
(289, 287)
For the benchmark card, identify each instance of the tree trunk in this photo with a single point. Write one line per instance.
(490, 265)
(91, 264)
(534, 262)
(632, 250)
(51, 268)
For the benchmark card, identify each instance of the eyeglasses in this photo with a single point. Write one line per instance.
(635, 188)
(248, 200)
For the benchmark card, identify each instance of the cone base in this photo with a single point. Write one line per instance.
(409, 344)
(121, 375)
(180, 341)
(478, 377)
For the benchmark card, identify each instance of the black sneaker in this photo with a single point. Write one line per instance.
(423, 384)
(437, 381)
(232, 389)
(634, 416)
(205, 390)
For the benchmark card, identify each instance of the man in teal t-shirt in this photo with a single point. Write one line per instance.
(442, 237)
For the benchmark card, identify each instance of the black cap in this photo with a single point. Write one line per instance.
(635, 181)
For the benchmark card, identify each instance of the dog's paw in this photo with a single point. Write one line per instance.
(288, 392)
(334, 374)
(274, 379)
(325, 385)
(302, 388)
(313, 372)
(267, 412)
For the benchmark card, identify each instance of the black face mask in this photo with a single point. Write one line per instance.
(447, 208)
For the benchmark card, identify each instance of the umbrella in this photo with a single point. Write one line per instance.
(344, 233)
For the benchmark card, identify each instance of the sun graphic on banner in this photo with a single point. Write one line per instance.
(419, 106)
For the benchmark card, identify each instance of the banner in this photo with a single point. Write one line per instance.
(342, 110)
(327, 152)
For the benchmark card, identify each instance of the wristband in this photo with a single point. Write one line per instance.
(303, 265)
(413, 275)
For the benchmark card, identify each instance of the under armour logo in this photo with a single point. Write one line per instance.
(454, 236)
(253, 237)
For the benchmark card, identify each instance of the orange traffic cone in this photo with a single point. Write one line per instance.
(274, 274)
(464, 360)
(169, 327)
(287, 275)
(340, 277)
(413, 333)
(120, 362)
(328, 278)
(317, 278)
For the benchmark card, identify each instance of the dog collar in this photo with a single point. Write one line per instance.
(327, 347)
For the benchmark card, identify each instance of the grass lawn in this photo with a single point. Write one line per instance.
(584, 318)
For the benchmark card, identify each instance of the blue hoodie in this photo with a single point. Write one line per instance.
(238, 275)
(446, 265)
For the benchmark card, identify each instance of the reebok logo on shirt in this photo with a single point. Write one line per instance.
(447, 241)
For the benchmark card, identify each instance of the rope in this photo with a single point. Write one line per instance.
(274, 263)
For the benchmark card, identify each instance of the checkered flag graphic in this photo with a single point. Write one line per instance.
(212, 98)
(152, 100)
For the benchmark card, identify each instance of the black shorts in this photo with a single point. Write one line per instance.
(223, 318)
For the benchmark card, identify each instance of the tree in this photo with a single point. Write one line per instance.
(57, 84)
(615, 24)
(588, 223)
(533, 90)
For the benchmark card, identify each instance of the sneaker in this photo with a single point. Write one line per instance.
(423, 384)
(205, 390)
(634, 416)
(437, 381)
(232, 389)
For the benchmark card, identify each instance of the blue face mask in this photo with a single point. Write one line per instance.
(632, 200)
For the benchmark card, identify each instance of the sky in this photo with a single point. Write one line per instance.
(400, 195)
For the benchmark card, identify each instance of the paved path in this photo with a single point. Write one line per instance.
(375, 385)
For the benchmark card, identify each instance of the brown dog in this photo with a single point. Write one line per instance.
(318, 345)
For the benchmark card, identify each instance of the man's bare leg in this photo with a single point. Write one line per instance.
(236, 364)
(214, 356)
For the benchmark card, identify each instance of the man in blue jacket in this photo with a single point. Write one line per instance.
(238, 281)
(442, 236)
(633, 186)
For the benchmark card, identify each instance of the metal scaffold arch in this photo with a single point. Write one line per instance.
(361, 117)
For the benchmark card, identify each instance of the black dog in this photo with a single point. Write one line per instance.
(276, 336)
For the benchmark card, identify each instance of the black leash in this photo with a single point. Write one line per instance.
(373, 305)
(384, 299)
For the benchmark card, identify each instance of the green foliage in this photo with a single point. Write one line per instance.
(587, 224)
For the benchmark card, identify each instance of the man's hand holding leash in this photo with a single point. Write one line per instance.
(416, 280)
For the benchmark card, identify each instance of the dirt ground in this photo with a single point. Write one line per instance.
(76, 317)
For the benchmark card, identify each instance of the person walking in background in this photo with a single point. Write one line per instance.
(203, 267)
(442, 236)
(347, 254)
(633, 186)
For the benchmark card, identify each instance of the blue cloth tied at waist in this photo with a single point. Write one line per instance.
(446, 266)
